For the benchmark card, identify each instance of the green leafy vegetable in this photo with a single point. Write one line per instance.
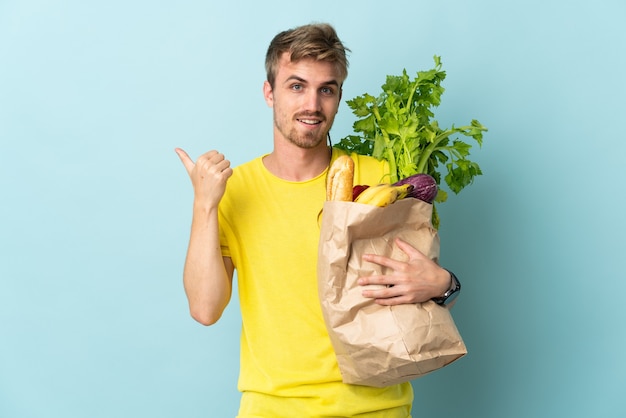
(399, 126)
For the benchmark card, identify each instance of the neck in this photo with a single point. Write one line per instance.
(298, 164)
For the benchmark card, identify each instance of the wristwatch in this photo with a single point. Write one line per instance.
(451, 294)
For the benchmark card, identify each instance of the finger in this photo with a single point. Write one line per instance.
(383, 261)
(408, 249)
(383, 280)
(185, 159)
(388, 292)
(405, 247)
(390, 295)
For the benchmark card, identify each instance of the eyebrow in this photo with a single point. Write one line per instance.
(302, 80)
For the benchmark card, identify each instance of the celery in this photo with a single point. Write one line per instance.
(399, 126)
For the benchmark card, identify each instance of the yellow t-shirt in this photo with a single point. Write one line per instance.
(269, 227)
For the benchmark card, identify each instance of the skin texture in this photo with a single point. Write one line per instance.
(305, 99)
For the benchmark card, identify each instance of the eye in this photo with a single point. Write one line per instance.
(296, 87)
(327, 91)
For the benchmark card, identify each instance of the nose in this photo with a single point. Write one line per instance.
(312, 101)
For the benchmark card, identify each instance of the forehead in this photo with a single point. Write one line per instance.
(307, 69)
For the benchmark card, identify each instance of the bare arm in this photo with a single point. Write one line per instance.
(207, 275)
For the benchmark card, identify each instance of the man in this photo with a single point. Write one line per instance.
(261, 219)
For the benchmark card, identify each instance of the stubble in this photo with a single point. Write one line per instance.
(302, 139)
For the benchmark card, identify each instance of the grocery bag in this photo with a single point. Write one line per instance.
(380, 345)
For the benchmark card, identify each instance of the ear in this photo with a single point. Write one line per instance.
(268, 94)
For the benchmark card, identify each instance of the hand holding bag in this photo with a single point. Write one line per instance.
(380, 345)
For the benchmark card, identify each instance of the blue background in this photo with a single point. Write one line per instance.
(95, 212)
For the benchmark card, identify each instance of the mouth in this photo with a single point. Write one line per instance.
(309, 120)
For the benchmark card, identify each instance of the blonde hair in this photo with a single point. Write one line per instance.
(317, 40)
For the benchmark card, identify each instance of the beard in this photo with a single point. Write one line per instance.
(306, 140)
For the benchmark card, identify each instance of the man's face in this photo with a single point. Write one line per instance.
(305, 99)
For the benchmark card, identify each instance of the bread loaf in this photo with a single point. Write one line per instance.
(340, 179)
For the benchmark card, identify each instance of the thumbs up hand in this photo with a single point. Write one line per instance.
(208, 175)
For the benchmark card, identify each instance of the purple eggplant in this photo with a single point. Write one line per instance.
(424, 187)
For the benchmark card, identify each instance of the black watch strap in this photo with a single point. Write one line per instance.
(452, 293)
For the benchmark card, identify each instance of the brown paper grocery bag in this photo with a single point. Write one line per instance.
(380, 345)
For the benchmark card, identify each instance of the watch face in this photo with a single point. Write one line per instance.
(457, 284)
(451, 297)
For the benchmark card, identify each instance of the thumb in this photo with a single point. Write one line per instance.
(186, 160)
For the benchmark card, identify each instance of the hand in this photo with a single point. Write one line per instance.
(416, 280)
(208, 176)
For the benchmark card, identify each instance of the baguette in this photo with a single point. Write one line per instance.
(340, 179)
